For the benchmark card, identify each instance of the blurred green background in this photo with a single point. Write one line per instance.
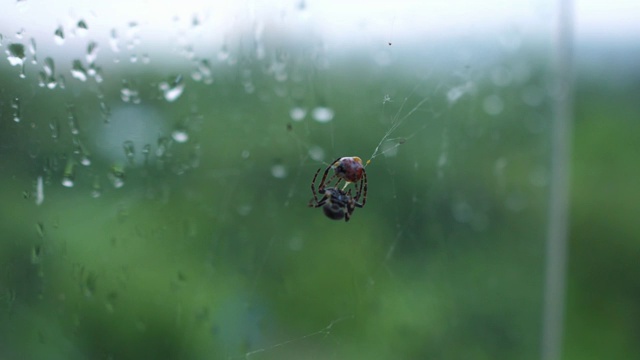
(158, 209)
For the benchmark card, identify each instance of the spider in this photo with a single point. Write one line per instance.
(335, 202)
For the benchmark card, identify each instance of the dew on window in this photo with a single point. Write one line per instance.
(493, 105)
(36, 254)
(82, 28)
(69, 176)
(203, 72)
(39, 191)
(297, 113)
(32, 50)
(146, 150)
(455, 93)
(172, 89)
(316, 153)
(96, 188)
(82, 152)
(15, 54)
(129, 151)
(92, 52)
(180, 135)
(128, 93)
(279, 171)
(58, 36)
(116, 176)
(78, 71)
(322, 114)
(114, 41)
(16, 110)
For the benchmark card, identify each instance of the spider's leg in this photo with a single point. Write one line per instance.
(363, 183)
(324, 176)
(319, 203)
(351, 206)
(313, 188)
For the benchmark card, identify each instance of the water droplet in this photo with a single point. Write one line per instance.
(96, 189)
(92, 52)
(58, 36)
(146, 59)
(82, 28)
(128, 93)
(223, 54)
(279, 171)
(180, 135)
(36, 254)
(316, 153)
(493, 105)
(54, 126)
(322, 114)
(113, 41)
(454, 94)
(146, 150)
(105, 111)
(78, 71)
(15, 54)
(68, 177)
(129, 151)
(15, 106)
(297, 113)
(203, 72)
(49, 67)
(163, 146)
(116, 176)
(32, 50)
(245, 154)
(40, 229)
(73, 120)
(95, 72)
(172, 90)
(82, 151)
(89, 284)
(39, 191)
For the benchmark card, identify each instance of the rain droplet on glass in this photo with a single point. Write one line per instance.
(493, 105)
(58, 36)
(15, 106)
(297, 113)
(129, 151)
(322, 114)
(32, 50)
(96, 189)
(113, 41)
(316, 153)
(73, 120)
(92, 52)
(279, 171)
(68, 177)
(116, 176)
(15, 54)
(78, 71)
(172, 90)
(82, 28)
(180, 135)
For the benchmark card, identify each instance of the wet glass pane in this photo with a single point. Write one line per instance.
(157, 162)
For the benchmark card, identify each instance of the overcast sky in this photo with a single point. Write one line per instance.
(327, 18)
